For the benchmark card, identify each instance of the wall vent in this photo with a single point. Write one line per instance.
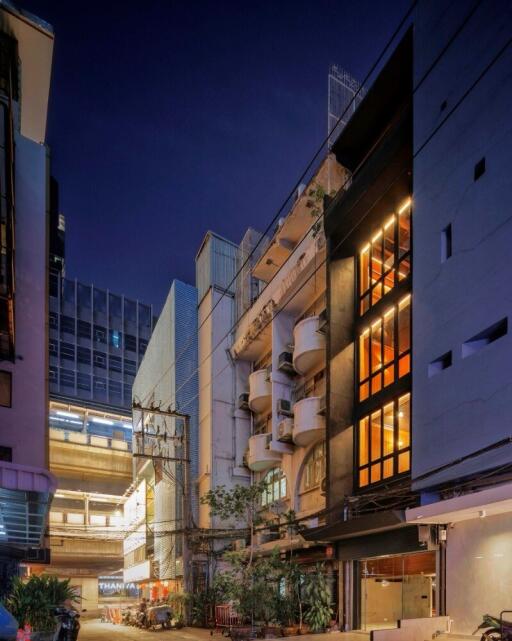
(439, 364)
(487, 336)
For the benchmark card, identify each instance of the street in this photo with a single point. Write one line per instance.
(95, 630)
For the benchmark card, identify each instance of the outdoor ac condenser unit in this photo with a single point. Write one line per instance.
(285, 430)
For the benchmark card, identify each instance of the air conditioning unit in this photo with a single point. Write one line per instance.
(323, 486)
(284, 407)
(322, 410)
(243, 401)
(245, 458)
(285, 362)
(285, 430)
(322, 322)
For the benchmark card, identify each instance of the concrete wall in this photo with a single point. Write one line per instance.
(26, 421)
(467, 406)
(168, 377)
(478, 570)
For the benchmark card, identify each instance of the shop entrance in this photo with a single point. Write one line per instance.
(397, 587)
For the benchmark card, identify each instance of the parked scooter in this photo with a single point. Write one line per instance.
(159, 616)
(495, 629)
(67, 624)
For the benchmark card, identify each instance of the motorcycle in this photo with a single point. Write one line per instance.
(68, 625)
(495, 629)
(159, 615)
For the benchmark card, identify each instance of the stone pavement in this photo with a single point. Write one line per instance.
(95, 630)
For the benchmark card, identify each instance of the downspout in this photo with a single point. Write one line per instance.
(233, 394)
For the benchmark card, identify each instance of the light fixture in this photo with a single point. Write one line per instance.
(400, 414)
(103, 421)
(67, 414)
(384, 583)
(405, 205)
(390, 222)
(377, 236)
(128, 426)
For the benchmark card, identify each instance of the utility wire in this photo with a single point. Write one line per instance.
(350, 179)
(310, 164)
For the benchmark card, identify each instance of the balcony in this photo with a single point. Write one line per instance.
(260, 391)
(309, 344)
(260, 456)
(309, 422)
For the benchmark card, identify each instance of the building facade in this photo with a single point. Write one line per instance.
(155, 550)
(279, 353)
(97, 340)
(26, 486)
(417, 442)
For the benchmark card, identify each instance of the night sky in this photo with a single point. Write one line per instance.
(171, 118)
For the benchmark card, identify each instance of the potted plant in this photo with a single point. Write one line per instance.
(318, 600)
(33, 601)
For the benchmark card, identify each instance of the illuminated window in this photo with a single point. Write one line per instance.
(385, 350)
(386, 259)
(384, 442)
(314, 467)
(276, 486)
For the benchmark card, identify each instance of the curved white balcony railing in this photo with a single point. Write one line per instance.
(260, 457)
(260, 391)
(309, 345)
(308, 421)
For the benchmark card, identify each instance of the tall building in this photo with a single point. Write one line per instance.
(223, 428)
(279, 353)
(97, 340)
(26, 486)
(418, 438)
(167, 379)
(344, 93)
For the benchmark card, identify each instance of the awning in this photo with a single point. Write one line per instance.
(360, 526)
(25, 495)
(495, 500)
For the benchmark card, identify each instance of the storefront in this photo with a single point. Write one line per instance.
(388, 571)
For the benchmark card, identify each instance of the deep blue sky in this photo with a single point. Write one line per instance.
(170, 118)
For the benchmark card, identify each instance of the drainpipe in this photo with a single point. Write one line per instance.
(233, 394)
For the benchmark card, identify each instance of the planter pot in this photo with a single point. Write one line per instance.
(244, 632)
(272, 632)
(290, 630)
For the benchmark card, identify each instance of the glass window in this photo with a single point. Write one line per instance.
(383, 443)
(116, 338)
(386, 256)
(99, 359)
(130, 342)
(115, 364)
(100, 334)
(67, 351)
(382, 358)
(314, 467)
(54, 320)
(130, 310)
(83, 329)
(68, 291)
(114, 306)
(84, 296)
(130, 367)
(83, 355)
(67, 377)
(276, 486)
(100, 301)
(83, 381)
(53, 347)
(67, 324)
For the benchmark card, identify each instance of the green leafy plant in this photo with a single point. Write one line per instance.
(32, 601)
(318, 599)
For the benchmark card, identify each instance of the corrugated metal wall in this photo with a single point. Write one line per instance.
(215, 265)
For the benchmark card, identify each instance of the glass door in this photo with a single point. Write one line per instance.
(397, 587)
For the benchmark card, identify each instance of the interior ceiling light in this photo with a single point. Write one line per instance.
(67, 414)
(405, 205)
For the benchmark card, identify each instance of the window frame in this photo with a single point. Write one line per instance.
(274, 478)
(8, 377)
(367, 463)
(379, 374)
(376, 245)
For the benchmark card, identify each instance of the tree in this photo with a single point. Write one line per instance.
(240, 504)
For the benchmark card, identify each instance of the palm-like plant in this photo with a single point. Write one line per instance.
(318, 599)
(32, 601)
